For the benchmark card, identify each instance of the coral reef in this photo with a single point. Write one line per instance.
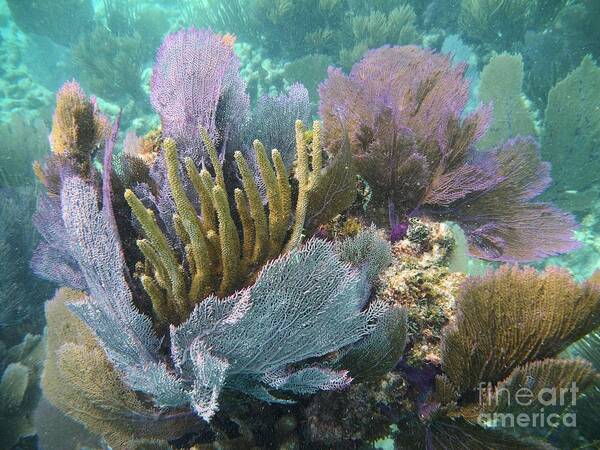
(230, 268)
(419, 280)
(222, 284)
(412, 146)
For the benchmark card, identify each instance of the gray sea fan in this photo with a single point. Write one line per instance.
(52, 259)
(367, 250)
(378, 353)
(273, 121)
(125, 334)
(303, 305)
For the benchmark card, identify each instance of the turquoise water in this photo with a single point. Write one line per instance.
(415, 266)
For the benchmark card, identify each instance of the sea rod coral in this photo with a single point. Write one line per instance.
(402, 108)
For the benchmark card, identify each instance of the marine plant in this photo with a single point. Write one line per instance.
(402, 108)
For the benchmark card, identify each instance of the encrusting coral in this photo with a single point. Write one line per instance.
(420, 281)
(195, 286)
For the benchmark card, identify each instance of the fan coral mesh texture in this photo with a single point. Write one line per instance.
(513, 316)
(195, 82)
(402, 109)
(292, 313)
(273, 120)
(366, 250)
(128, 336)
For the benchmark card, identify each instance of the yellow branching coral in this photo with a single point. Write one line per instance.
(219, 259)
(79, 379)
(77, 126)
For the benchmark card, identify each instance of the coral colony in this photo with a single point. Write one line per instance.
(221, 263)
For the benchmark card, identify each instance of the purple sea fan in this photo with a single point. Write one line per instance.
(402, 108)
(195, 81)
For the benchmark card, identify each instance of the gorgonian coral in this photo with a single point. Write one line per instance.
(402, 109)
(195, 82)
(198, 293)
(195, 283)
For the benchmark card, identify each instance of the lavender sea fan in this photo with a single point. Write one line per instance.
(402, 108)
(195, 82)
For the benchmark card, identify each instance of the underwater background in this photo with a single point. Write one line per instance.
(414, 267)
